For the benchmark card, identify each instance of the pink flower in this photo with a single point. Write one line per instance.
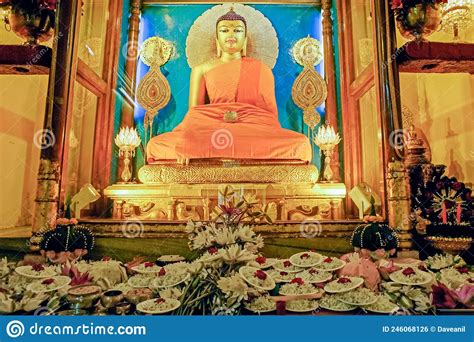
(229, 209)
(162, 272)
(408, 271)
(260, 275)
(344, 280)
(286, 263)
(466, 295)
(47, 281)
(443, 297)
(304, 256)
(387, 269)
(283, 273)
(62, 221)
(65, 221)
(328, 260)
(77, 278)
(148, 264)
(261, 260)
(298, 281)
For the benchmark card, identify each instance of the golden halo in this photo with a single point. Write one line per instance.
(262, 41)
(307, 51)
(156, 50)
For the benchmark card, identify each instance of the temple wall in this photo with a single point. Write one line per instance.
(22, 105)
(443, 106)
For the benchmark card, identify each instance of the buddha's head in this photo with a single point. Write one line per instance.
(231, 33)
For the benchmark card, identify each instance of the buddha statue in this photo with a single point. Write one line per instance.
(232, 109)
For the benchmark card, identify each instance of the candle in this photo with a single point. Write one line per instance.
(458, 213)
(444, 215)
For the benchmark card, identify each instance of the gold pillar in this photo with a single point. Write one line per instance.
(329, 74)
(59, 102)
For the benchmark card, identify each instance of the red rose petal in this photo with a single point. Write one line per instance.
(298, 281)
(47, 281)
(37, 267)
(213, 250)
(260, 275)
(344, 280)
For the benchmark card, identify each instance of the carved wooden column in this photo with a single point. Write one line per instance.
(330, 75)
(131, 61)
(58, 104)
(397, 182)
(128, 108)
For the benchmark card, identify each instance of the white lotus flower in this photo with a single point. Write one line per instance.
(195, 267)
(245, 233)
(200, 241)
(233, 287)
(236, 254)
(173, 293)
(224, 237)
(415, 294)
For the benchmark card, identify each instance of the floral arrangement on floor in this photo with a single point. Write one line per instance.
(218, 287)
(226, 244)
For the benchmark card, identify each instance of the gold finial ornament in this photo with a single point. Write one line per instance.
(154, 92)
(262, 41)
(309, 90)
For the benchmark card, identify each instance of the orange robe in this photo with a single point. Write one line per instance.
(245, 86)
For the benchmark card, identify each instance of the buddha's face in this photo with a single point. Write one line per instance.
(231, 35)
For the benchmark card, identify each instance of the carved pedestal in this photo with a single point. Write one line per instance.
(181, 202)
(399, 202)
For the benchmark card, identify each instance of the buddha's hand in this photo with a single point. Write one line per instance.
(230, 116)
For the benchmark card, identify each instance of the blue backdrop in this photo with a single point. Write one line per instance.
(172, 22)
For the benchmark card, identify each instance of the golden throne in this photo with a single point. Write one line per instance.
(173, 191)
